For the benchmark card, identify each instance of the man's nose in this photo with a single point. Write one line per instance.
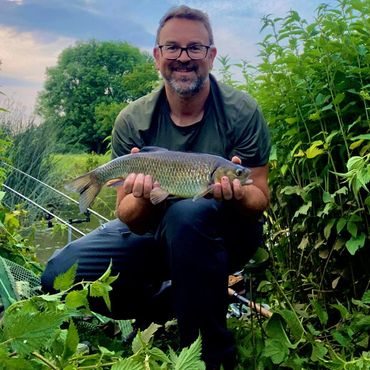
(184, 57)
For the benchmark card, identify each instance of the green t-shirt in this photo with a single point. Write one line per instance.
(232, 124)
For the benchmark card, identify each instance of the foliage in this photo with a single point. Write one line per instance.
(303, 336)
(43, 332)
(313, 86)
(86, 76)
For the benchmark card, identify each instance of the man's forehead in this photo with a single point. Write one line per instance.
(179, 29)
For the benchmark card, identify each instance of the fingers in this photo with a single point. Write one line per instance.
(228, 190)
(236, 160)
(135, 150)
(139, 185)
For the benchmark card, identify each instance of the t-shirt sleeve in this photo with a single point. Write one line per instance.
(124, 136)
(253, 143)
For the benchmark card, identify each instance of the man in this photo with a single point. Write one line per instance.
(193, 244)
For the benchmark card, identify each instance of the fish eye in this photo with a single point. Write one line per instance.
(238, 172)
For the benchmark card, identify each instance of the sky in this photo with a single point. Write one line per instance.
(34, 32)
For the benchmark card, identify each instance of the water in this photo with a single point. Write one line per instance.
(48, 239)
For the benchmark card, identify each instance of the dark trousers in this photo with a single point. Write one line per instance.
(195, 245)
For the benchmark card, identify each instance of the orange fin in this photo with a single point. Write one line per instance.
(203, 193)
(158, 195)
(115, 182)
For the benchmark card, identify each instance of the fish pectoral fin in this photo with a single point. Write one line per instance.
(115, 182)
(203, 193)
(158, 195)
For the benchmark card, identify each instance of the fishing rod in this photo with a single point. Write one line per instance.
(44, 209)
(55, 190)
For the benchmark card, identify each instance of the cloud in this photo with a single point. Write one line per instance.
(24, 56)
(78, 19)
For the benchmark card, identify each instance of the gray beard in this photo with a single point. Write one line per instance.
(189, 90)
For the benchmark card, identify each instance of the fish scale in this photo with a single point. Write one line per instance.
(185, 175)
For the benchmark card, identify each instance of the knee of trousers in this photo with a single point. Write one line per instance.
(187, 217)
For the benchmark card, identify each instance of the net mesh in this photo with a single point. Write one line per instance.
(17, 282)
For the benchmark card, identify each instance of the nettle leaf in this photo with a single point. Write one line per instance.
(320, 312)
(30, 331)
(189, 358)
(66, 280)
(77, 298)
(158, 355)
(293, 323)
(100, 289)
(276, 350)
(355, 243)
(366, 297)
(128, 364)
(318, 351)
(71, 342)
(343, 310)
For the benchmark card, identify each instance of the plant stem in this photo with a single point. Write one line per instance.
(44, 360)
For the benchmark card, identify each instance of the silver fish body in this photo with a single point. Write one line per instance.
(180, 174)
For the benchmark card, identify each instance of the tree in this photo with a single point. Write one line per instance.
(88, 75)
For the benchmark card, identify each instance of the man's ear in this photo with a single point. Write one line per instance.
(156, 55)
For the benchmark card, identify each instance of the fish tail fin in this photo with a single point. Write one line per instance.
(88, 187)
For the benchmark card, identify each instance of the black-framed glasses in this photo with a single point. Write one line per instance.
(195, 52)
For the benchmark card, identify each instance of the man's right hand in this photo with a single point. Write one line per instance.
(133, 205)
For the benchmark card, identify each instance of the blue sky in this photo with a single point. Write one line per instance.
(34, 32)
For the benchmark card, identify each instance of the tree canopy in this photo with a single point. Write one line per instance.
(90, 75)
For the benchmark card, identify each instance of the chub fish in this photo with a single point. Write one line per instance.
(179, 174)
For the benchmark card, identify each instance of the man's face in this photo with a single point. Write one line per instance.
(184, 75)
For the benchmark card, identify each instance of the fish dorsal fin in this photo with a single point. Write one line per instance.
(203, 193)
(152, 149)
(158, 195)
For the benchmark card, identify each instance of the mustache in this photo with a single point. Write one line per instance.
(183, 66)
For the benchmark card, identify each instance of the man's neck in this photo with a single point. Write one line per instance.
(186, 111)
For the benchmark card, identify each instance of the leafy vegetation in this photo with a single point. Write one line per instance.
(314, 88)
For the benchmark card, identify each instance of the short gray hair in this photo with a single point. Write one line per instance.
(185, 12)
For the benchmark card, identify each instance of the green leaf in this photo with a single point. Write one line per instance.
(71, 342)
(66, 280)
(313, 151)
(276, 350)
(293, 323)
(340, 224)
(158, 355)
(143, 338)
(100, 289)
(328, 227)
(190, 358)
(366, 297)
(29, 331)
(339, 98)
(77, 298)
(128, 364)
(318, 351)
(355, 243)
(303, 210)
(352, 228)
(320, 312)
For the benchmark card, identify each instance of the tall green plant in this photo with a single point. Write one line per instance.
(314, 89)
